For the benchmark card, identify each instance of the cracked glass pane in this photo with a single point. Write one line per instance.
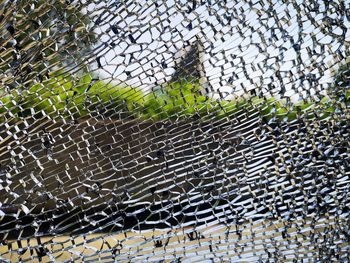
(174, 131)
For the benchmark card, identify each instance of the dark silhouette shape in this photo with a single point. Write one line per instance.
(189, 66)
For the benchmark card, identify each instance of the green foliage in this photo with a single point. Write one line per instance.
(71, 98)
(67, 97)
(39, 37)
(183, 99)
(177, 99)
(281, 110)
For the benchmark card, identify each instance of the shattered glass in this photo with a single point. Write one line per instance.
(174, 131)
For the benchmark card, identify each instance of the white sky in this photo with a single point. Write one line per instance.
(161, 34)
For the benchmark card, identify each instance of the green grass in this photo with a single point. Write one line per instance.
(68, 97)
